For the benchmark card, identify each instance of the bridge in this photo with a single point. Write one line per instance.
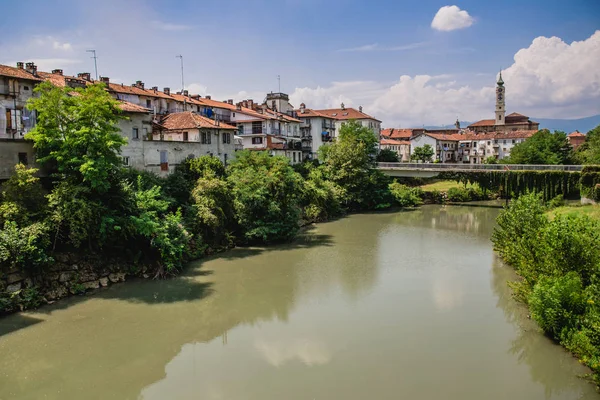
(428, 170)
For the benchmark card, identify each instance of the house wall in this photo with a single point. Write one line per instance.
(9, 155)
(420, 141)
(18, 102)
(134, 149)
(402, 150)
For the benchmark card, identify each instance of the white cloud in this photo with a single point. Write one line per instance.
(550, 78)
(449, 18)
(61, 46)
(278, 353)
(377, 47)
(166, 26)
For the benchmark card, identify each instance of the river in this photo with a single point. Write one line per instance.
(398, 305)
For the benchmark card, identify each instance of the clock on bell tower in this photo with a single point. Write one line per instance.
(500, 104)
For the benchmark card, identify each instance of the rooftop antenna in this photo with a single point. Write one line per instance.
(181, 57)
(279, 82)
(95, 63)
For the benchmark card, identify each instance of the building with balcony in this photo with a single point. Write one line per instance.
(475, 148)
(344, 114)
(316, 129)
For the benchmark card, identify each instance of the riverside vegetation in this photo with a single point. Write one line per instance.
(92, 205)
(558, 260)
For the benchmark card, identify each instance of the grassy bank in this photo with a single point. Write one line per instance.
(557, 255)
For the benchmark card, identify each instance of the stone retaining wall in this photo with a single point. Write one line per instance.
(70, 274)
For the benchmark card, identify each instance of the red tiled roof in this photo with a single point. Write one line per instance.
(345, 114)
(130, 107)
(395, 133)
(454, 137)
(516, 115)
(14, 72)
(232, 107)
(181, 98)
(484, 122)
(394, 142)
(576, 134)
(189, 120)
(310, 113)
(281, 115)
(523, 134)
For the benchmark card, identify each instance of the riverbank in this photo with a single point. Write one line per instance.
(557, 256)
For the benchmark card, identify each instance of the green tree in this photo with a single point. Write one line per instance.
(491, 160)
(387, 155)
(266, 192)
(543, 147)
(349, 164)
(362, 134)
(589, 151)
(22, 196)
(424, 153)
(77, 134)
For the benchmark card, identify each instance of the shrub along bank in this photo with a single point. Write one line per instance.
(558, 261)
(54, 240)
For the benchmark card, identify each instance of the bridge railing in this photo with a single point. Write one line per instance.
(477, 167)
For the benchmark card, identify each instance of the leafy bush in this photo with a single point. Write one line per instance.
(26, 248)
(406, 196)
(458, 194)
(22, 196)
(387, 155)
(558, 303)
(321, 198)
(266, 193)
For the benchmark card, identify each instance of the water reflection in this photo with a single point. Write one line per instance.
(548, 363)
(280, 352)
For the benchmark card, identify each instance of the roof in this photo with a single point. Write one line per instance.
(310, 113)
(520, 134)
(484, 122)
(130, 107)
(395, 133)
(345, 114)
(190, 120)
(576, 134)
(516, 115)
(281, 115)
(234, 108)
(453, 137)
(20, 73)
(59, 79)
(394, 142)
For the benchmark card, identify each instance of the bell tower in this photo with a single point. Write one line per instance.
(500, 101)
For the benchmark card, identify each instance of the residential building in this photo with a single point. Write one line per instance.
(344, 114)
(502, 123)
(576, 139)
(316, 129)
(400, 147)
(443, 142)
(275, 145)
(183, 135)
(399, 133)
(16, 88)
(475, 148)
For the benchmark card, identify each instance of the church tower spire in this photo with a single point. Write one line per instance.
(500, 101)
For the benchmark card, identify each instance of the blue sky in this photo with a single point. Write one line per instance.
(325, 51)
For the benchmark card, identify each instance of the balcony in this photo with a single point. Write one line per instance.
(328, 125)
(307, 149)
(305, 125)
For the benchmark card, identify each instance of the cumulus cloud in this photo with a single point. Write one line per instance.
(550, 78)
(449, 18)
(308, 352)
(61, 46)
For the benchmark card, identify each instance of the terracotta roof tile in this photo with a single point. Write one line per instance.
(14, 72)
(190, 120)
(130, 107)
(484, 122)
(395, 133)
(345, 114)
(310, 113)
(576, 134)
(522, 134)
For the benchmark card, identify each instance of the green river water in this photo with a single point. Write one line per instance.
(400, 305)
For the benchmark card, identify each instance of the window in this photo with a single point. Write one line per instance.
(499, 117)
(148, 103)
(125, 161)
(489, 142)
(185, 136)
(257, 140)
(496, 141)
(25, 87)
(240, 129)
(205, 137)
(226, 138)
(23, 158)
(225, 159)
(233, 115)
(513, 141)
(135, 133)
(504, 141)
(294, 156)
(164, 160)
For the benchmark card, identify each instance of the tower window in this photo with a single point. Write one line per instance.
(499, 117)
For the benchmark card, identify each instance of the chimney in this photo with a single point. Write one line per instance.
(238, 106)
(105, 79)
(185, 92)
(155, 88)
(195, 96)
(57, 71)
(359, 108)
(84, 75)
(208, 97)
(20, 65)
(343, 106)
(251, 104)
(139, 84)
(31, 68)
(230, 102)
(167, 91)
